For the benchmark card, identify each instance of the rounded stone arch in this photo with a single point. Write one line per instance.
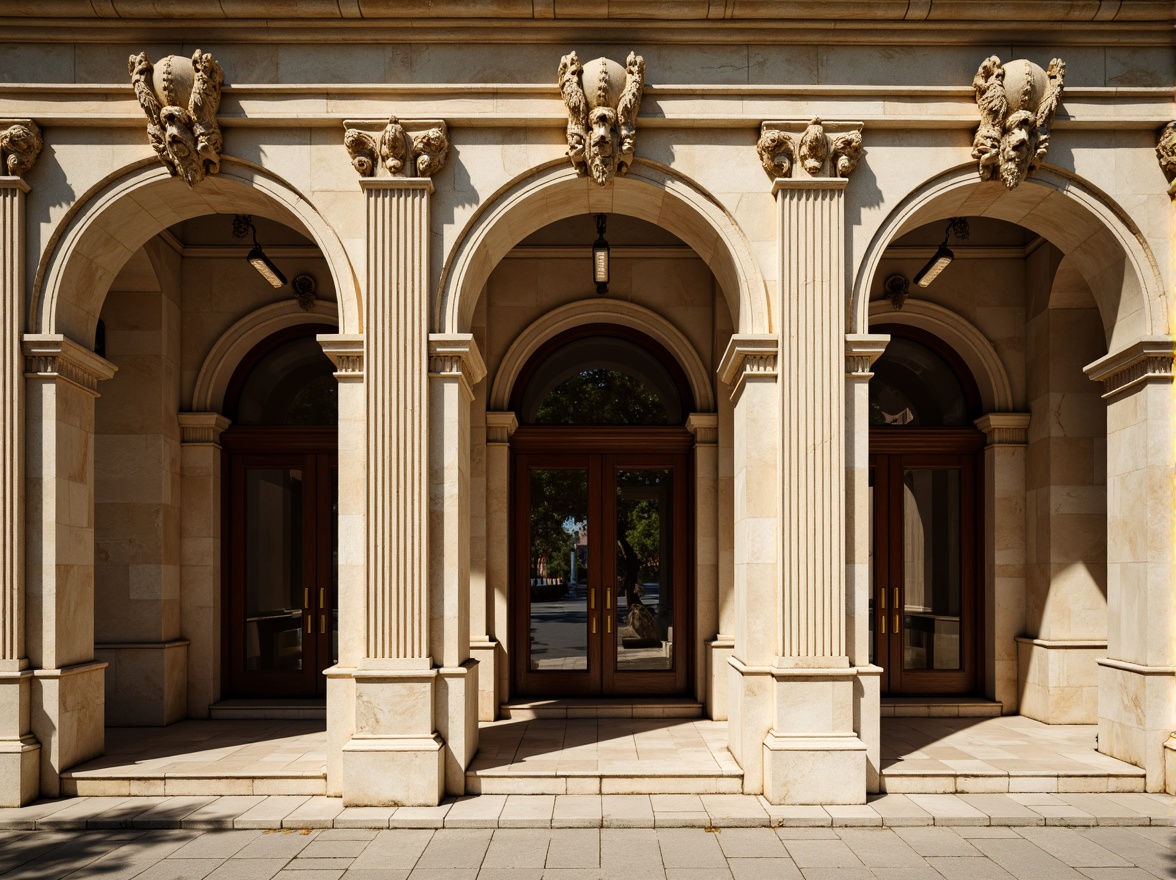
(648, 192)
(212, 382)
(594, 311)
(120, 214)
(1083, 223)
(964, 338)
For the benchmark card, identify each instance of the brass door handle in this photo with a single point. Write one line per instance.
(309, 623)
(322, 597)
(883, 624)
(592, 599)
(322, 623)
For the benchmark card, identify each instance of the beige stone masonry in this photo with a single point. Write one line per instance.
(491, 609)
(1007, 436)
(1137, 680)
(201, 480)
(705, 428)
(455, 366)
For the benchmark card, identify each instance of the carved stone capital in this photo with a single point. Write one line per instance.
(1017, 103)
(1005, 429)
(456, 355)
(602, 99)
(202, 428)
(55, 356)
(1148, 360)
(180, 97)
(704, 427)
(412, 148)
(820, 148)
(861, 351)
(345, 352)
(1166, 154)
(499, 426)
(749, 357)
(20, 144)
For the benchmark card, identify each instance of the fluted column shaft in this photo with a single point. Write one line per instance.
(812, 388)
(396, 363)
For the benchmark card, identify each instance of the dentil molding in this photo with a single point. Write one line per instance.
(414, 148)
(181, 97)
(819, 148)
(20, 144)
(1017, 103)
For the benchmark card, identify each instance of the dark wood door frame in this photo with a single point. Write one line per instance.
(601, 451)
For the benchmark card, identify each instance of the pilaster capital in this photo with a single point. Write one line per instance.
(704, 427)
(56, 356)
(456, 356)
(821, 150)
(499, 426)
(1148, 360)
(749, 356)
(861, 351)
(1005, 429)
(408, 149)
(20, 144)
(202, 428)
(346, 353)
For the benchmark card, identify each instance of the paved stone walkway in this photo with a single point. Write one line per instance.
(926, 853)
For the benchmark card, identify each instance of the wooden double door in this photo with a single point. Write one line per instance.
(600, 562)
(282, 537)
(924, 554)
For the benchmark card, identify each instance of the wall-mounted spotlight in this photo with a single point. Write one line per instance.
(242, 226)
(943, 255)
(600, 256)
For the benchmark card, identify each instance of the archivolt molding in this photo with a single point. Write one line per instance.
(83, 257)
(213, 379)
(553, 192)
(599, 311)
(996, 394)
(1097, 233)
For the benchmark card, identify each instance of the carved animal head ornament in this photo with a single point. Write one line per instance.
(1166, 154)
(180, 97)
(602, 100)
(20, 144)
(402, 154)
(1017, 103)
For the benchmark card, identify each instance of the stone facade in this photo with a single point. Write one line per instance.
(451, 242)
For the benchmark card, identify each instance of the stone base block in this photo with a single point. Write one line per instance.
(867, 721)
(749, 709)
(1059, 680)
(146, 682)
(718, 652)
(340, 723)
(20, 764)
(392, 772)
(489, 655)
(1136, 715)
(814, 769)
(1170, 765)
(394, 702)
(457, 720)
(68, 719)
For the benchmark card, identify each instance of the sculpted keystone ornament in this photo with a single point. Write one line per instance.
(20, 144)
(402, 154)
(1166, 153)
(1017, 103)
(180, 97)
(602, 100)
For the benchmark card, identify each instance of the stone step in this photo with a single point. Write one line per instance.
(282, 709)
(513, 781)
(96, 783)
(939, 707)
(530, 710)
(899, 780)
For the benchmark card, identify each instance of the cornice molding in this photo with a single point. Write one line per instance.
(346, 353)
(499, 426)
(202, 428)
(749, 357)
(704, 427)
(1148, 360)
(456, 356)
(861, 351)
(1005, 429)
(55, 356)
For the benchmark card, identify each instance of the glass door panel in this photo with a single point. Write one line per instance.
(558, 569)
(274, 601)
(643, 592)
(931, 585)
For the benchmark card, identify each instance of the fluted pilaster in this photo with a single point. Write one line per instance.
(396, 362)
(812, 387)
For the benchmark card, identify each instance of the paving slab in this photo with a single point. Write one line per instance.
(626, 811)
(948, 809)
(1003, 810)
(481, 811)
(576, 811)
(846, 815)
(270, 812)
(899, 811)
(527, 811)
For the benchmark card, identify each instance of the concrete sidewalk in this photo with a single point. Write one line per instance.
(299, 812)
(918, 853)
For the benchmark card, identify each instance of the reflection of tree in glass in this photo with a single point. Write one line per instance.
(601, 397)
(639, 534)
(316, 404)
(559, 509)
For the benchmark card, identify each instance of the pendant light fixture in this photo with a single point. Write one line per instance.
(943, 255)
(243, 225)
(600, 257)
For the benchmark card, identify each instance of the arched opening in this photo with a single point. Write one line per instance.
(281, 581)
(601, 578)
(925, 519)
